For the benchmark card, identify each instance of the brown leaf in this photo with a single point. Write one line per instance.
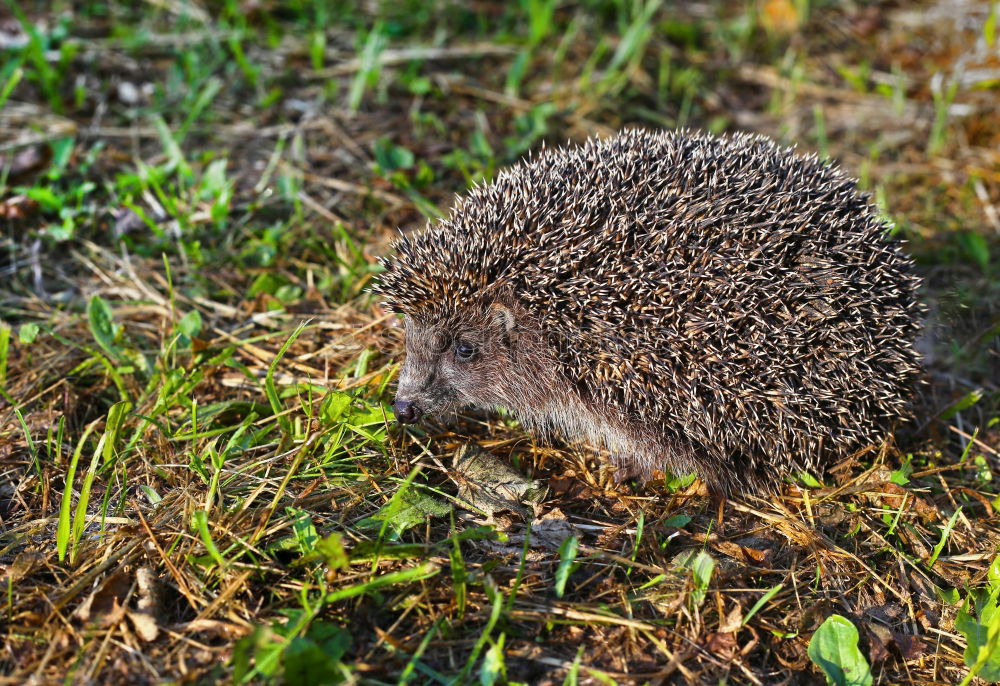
(149, 591)
(26, 161)
(928, 612)
(867, 21)
(18, 207)
(928, 512)
(721, 644)
(145, 626)
(983, 500)
(491, 485)
(23, 565)
(104, 605)
(732, 621)
(910, 646)
(892, 495)
(779, 16)
(755, 551)
(569, 486)
(881, 638)
(213, 627)
(551, 529)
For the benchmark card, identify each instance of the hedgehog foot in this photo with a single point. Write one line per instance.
(631, 468)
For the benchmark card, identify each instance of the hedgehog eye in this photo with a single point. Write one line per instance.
(465, 352)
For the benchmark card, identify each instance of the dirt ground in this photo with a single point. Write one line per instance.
(200, 480)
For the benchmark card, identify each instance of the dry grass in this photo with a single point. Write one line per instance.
(229, 527)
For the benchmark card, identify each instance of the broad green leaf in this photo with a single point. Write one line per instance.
(901, 476)
(982, 651)
(27, 333)
(963, 403)
(834, 649)
(268, 282)
(102, 325)
(809, 480)
(190, 324)
(332, 550)
(677, 483)
(993, 573)
(702, 567)
(334, 405)
(405, 512)
(262, 647)
(493, 667)
(391, 157)
(305, 530)
(950, 596)
(315, 657)
(977, 248)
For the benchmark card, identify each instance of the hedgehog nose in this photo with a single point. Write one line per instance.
(406, 412)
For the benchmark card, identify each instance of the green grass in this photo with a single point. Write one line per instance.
(194, 379)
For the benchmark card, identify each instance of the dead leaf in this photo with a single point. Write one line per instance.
(867, 21)
(721, 644)
(491, 485)
(569, 487)
(23, 565)
(779, 16)
(149, 591)
(910, 647)
(104, 604)
(732, 621)
(145, 626)
(881, 638)
(892, 495)
(550, 530)
(18, 207)
(212, 627)
(888, 613)
(27, 160)
(755, 551)
(983, 500)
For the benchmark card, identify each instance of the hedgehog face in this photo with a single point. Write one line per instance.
(473, 361)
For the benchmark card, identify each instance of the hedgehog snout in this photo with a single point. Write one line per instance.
(406, 411)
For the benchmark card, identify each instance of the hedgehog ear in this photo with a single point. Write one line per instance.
(503, 318)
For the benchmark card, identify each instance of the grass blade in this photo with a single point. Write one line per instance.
(63, 528)
(771, 592)
(200, 522)
(272, 391)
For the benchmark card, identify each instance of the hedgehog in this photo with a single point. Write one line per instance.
(685, 302)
